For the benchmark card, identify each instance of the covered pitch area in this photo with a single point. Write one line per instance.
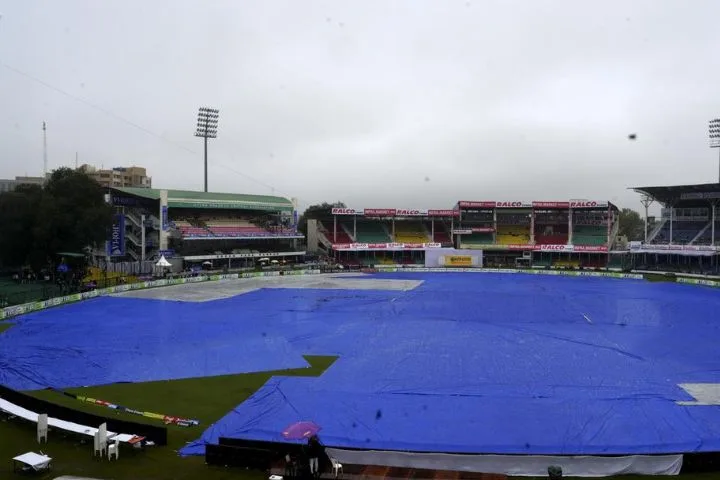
(485, 363)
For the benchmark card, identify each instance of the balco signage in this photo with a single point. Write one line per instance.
(556, 247)
(400, 212)
(344, 211)
(587, 204)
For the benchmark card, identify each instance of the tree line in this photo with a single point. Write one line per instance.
(67, 214)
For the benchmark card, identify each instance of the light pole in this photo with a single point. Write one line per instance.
(714, 133)
(646, 201)
(207, 124)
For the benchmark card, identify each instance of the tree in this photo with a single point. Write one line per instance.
(18, 213)
(68, 215)
(632, 225)
(73, 214)
(316, 212)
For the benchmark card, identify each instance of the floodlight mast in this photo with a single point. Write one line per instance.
(714, 134)
(207, 123)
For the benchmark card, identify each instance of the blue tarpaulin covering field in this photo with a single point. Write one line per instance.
(470, 363)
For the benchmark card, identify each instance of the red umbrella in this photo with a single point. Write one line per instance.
(300, 430)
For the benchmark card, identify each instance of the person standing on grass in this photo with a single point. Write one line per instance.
(315, 451)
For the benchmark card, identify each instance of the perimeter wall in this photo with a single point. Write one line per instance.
(16, 310)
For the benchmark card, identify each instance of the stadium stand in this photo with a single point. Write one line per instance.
(372, 232)
(705, 235)
(566, 263)
(589, 234)
(551, 228)
(188, 230)
(477, 239)
(342, 232)
(616, 262)
(692, 213)
(227, 227)
(551, 234)
(411, 232)
(441, 234)
(512, 234)
(542, 261)
(222, 230)
(513, 228)
(682, 232)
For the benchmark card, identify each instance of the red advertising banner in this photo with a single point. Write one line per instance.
(551, 204)
(379, 212)
(421, 246)
(396, 212)
(485, 204)
(535, 204)
(549, 248)
(590, 248)
(488, 204)
(570, 248)
(443, 213)
(384, 246)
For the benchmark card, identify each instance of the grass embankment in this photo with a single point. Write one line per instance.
(206, 399)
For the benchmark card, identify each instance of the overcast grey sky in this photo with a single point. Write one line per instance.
(380, 103)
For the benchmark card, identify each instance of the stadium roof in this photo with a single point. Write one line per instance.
(188, 199)
(683, 195)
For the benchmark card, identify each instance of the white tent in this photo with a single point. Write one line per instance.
(163, 262)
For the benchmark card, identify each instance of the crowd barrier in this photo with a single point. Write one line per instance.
(24, 308)
(699, 281)
(569, 273)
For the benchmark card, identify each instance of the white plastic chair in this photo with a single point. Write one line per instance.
(99, 447)
(42, 428)
(114, 450)
(337, 468)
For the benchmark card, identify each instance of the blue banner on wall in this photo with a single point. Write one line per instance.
(164, 218)
(124, 201)
(116, 243)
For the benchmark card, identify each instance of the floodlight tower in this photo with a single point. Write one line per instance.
(714, 133)
(44, 128)
(207, 123)
(646, 200)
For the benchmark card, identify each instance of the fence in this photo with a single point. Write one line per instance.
(13, 293)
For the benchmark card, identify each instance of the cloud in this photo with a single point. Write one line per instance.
(327, 100)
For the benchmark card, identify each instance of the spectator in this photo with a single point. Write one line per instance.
(315, 451)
